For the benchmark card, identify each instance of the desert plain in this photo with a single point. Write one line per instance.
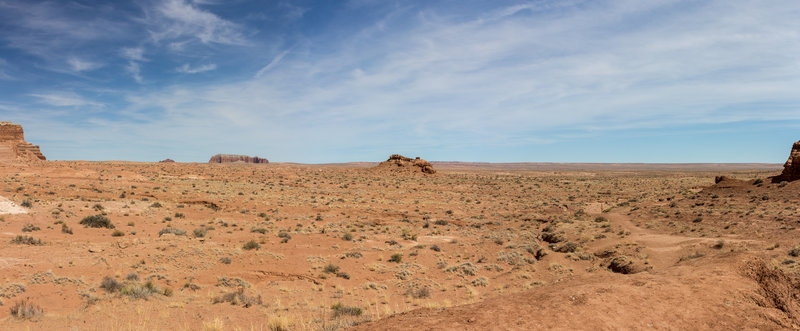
(192, 246)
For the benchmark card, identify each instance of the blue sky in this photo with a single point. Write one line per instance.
(337, 81)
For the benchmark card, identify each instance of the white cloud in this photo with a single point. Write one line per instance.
(135, 70)
(275, 61)
(177, 19)
(515, 78)
(186, 69)
(133, 53)
(64, 99)
(79, 65)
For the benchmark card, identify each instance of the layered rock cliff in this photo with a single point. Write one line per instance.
(13, 146)
(791, 169)
(230, 158)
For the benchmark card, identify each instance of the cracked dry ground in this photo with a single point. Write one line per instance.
(194, 246)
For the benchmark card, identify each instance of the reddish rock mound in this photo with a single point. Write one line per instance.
(791, 169)
(167, 161)
(230, 158)
(13, 146)
(398, 162)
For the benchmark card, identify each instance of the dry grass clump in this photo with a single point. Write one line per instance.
(177, 232)
(341, 310)
(26, 310)
(238, 297)
(27, 240)
(132, 288)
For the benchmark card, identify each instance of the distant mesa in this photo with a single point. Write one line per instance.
(398, 162)
(167, 161)
(231, 158)
(791, 169)
(13, 146)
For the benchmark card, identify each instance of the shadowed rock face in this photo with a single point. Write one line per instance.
(230, 158)
(791, 169)
(13, 146)
(398, 161)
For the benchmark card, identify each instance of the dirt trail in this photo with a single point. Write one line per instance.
(665, 250)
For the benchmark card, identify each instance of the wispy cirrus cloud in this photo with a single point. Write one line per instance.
(187, 69)
(79, 65)
(64, 99)
(178, 19)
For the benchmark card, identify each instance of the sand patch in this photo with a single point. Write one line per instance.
(9, 207)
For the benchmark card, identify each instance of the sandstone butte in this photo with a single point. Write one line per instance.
(231, 158)
(791, 169)
(402, 163)
(13, 146)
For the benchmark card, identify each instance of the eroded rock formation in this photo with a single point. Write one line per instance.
(13, 146)
(399, 162)
(167, 161)
(791, 169)
(231, 158)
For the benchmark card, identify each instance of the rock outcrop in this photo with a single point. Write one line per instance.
(398, 162)
(230, 158)
(13, 146)
(791, 169)
(167, 161)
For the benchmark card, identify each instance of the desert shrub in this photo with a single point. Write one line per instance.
(30, 228)
(175, 231)
(111, 285)
(396, 258)
(758, 181)
(331, 268)
(568, 247)
(466, 268)
(98, 207)
(156, 205)
(258, 230)
(440, 222)
(65, 229)
(237, 298)
(250, 245)
(419, 293)
(200, 232)
(25, 310)
(480, 281)
(140, 291)
(600, 219)
(132, 276)
(27, 240)
(117, 233)
(347, 236)
(795, 251)
(26, 204)
(180, 215)
(342, 310)
(97, 221)
(343, 275)
(225, 260)
(436, 248)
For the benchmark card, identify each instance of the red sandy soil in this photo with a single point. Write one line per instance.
(342, 246)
